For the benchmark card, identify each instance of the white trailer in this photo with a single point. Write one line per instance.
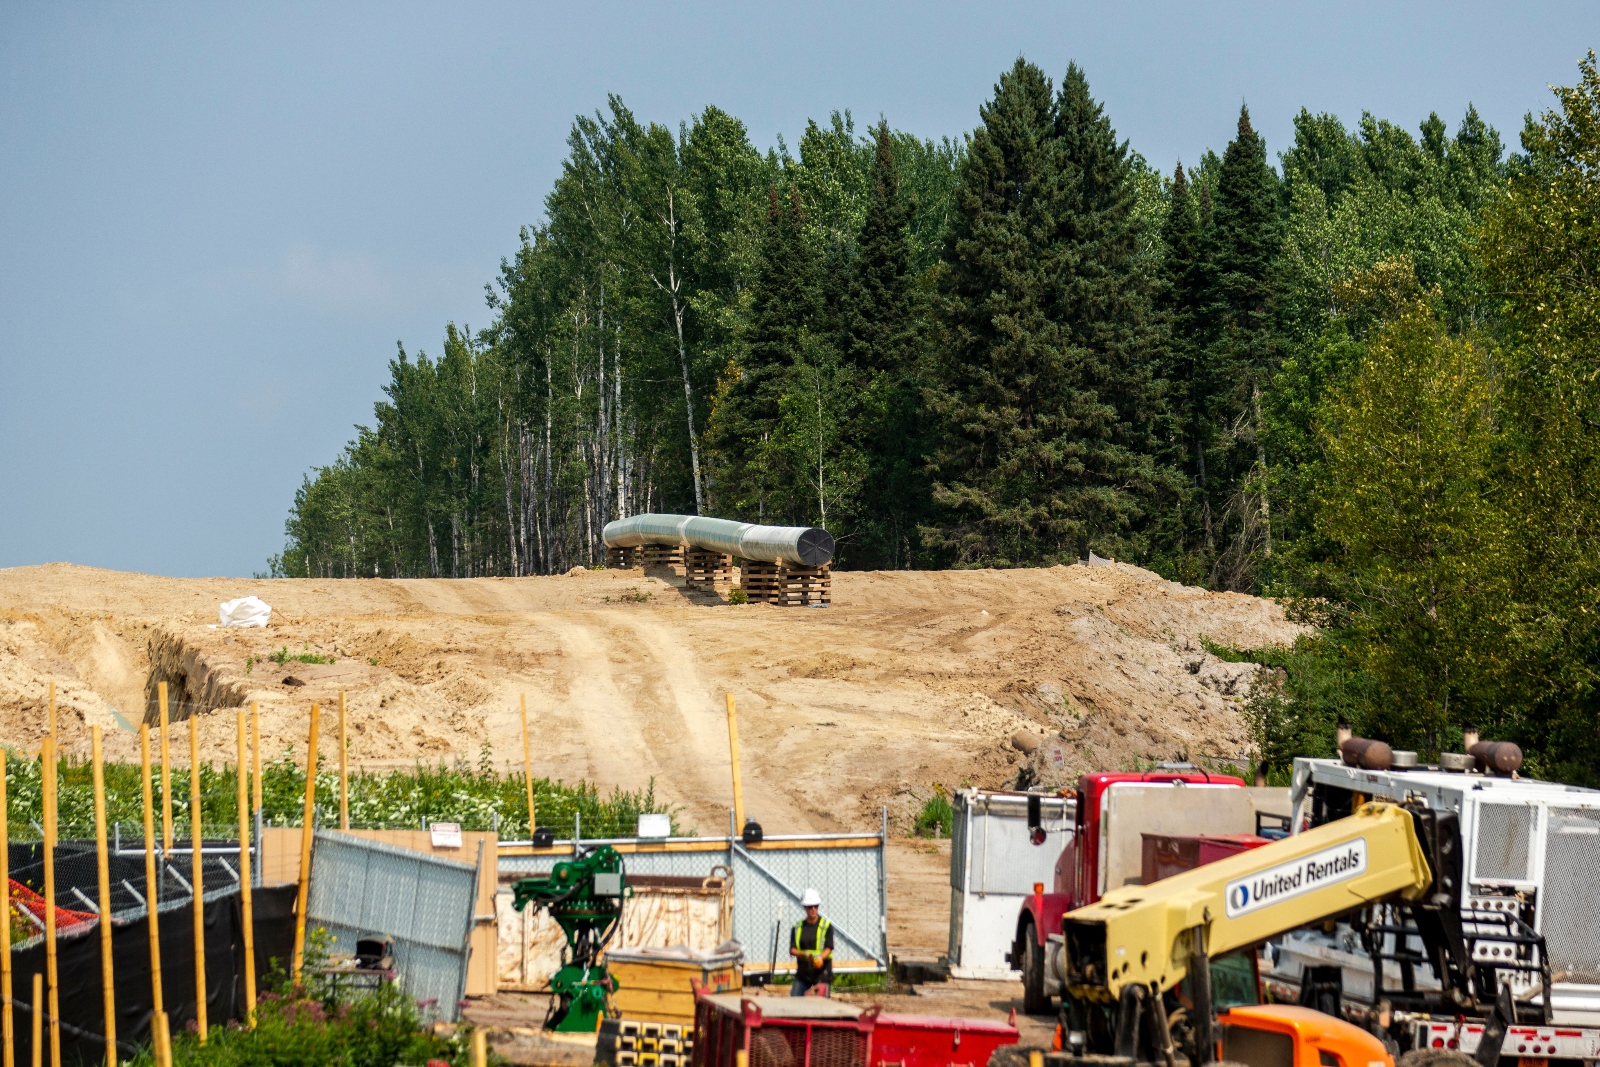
(993, 867)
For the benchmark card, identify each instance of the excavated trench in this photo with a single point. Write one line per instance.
(192, 682)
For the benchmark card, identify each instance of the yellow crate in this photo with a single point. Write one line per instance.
(659, 990)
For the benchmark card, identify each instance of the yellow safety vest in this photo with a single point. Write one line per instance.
(823, 926)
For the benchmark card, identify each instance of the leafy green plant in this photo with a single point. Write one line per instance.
(936, 816)
(373, 1029)
(479, 798)
(737, 595)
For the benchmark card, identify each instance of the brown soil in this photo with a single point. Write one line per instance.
(911, 680)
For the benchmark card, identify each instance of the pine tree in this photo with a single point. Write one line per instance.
(884, 339)
(784, 302)
(1050, 341)
(1108, 295)
(1184, 294)
(1242, 243)
(880, 331)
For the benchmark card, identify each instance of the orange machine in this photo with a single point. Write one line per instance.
(1286, 1035)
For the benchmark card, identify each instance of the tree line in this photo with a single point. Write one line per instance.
(1360, 379)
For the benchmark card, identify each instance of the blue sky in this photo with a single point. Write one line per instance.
(216, 220)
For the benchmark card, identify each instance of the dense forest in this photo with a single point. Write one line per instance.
(1363, 377)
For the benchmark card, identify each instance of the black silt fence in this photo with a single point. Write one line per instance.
(78, 963)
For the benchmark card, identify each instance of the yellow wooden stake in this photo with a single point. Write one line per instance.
(38, 1019)
(152, 888)
(108, 988)
(7, 1034)
(166, 771)
(527, 764)
(480, 1048)
(344, 769)
(51, 964)
(244, 885)
(733, 752)
(50, 730)
(255, 754)
(163, 1039)
(306, 829)
(197, 906)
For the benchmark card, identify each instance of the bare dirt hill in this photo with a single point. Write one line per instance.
(910, 680)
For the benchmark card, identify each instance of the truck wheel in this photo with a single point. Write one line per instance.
(1034, 999)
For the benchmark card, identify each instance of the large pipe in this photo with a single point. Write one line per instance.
(805, 545)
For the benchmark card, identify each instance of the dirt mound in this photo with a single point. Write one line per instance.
(910, 680)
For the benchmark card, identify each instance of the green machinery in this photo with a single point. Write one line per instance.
(584, 895)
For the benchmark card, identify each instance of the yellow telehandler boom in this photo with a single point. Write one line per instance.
(1139, 960)
(1147, 935)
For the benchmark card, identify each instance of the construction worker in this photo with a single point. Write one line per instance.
(811, 945)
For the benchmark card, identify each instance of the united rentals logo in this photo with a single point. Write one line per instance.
(1330, 866)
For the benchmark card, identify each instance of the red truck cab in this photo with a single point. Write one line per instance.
(1084, 869)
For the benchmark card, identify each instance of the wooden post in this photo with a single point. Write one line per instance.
(527, 765)
(152, 893)
(51, 972)
(198, 904)
(163, 1039)
(108, 987)
(307, 819)
(244, 883)
(50, 731)
(6, 1018)
(166, 772)
(480, 1048)
(344, 769)
(255, 753)
(733, 751)
(38, 1019)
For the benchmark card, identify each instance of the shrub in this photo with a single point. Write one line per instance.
(376, 1029)
(936, 816)
(737, 595)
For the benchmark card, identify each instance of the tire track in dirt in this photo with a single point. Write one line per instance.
(698, 741)
(592, 714)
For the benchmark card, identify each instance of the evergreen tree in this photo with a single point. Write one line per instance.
(884, 339)
(1184, 294)
(1037, 460)
(784, 301)
(1242, 244)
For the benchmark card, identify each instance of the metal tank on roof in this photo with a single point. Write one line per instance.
(807, 546)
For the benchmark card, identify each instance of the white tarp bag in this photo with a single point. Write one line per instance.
(246, 611)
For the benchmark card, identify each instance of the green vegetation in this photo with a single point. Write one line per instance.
(937, 816)
(1358, 375)
(470, 796)
(320, 1023)
(737, 595)
(283, 656)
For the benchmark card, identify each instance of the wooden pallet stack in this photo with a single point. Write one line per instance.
(661, 555)
(623, 558)
(786, 584)
(703, 569)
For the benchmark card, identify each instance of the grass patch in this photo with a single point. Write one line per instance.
(937, 816)
(283, 656)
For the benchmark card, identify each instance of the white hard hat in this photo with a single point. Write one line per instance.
(811, 899)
